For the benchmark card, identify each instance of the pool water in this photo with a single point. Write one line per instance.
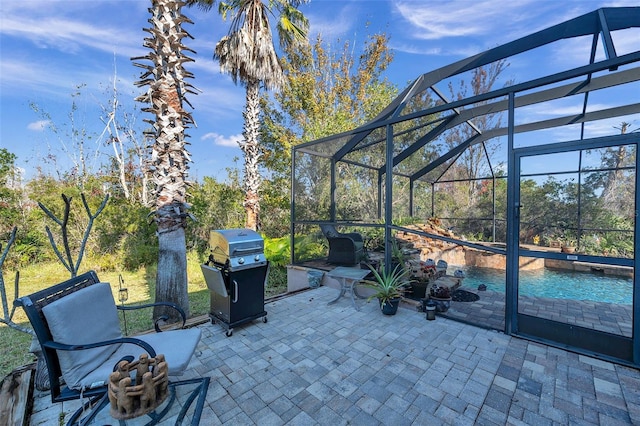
(555, 284)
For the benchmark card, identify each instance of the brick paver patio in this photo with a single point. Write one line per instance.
(332, 365)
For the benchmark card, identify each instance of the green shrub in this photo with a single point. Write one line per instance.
(277, 281)
(277, 250)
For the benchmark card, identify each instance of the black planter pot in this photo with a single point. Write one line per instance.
(418, 289)
(390, 307)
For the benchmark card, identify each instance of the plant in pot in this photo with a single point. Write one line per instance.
(389, 287)
(568, 245)
(422, 276)
(441, 295)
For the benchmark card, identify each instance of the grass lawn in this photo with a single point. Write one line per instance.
(14, 345)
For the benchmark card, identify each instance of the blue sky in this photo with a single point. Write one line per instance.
(48, 47)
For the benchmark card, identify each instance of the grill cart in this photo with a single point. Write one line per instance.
(236, 275)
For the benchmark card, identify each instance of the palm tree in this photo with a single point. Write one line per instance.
(249, 55)
(170, 158)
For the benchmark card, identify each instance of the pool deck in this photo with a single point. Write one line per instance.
(319, 364)
(488, 311)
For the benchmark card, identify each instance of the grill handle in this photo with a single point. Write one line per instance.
(246, 250)
(235, 293)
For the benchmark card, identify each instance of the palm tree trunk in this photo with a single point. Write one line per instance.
(169, 159)
(172, 270)
(252, 154)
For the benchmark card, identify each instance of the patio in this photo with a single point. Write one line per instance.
(318, 364)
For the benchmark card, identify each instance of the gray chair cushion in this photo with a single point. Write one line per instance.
(86, 316)
(90, 315)
(177, 346)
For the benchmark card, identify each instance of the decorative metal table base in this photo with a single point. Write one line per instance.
(348, 278)
(177, 405)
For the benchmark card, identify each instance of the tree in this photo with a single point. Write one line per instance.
(7, 165)
(217, 205)
(74, 139)
(10, 193)
(130, 153)
(618, 188)
(473, 163)
(326, 94)
(66, 258)
(169, 161)
(329, 91)
(249, 55)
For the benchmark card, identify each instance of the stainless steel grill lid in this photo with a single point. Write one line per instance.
(241, 248)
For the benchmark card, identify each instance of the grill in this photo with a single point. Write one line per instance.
(237, 249)
(236, 275)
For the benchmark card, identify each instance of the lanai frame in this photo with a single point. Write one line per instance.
(347, 150)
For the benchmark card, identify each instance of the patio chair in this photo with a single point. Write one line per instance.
(77, 325)
(344, 248)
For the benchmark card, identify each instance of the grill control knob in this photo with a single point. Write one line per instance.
(241, 260)
(257, 258)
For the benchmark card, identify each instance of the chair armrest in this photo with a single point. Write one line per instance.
(65, 347)
(162, 318)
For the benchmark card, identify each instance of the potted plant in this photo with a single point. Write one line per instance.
(568, 245)
(423, 275)
(389, 287)
(419, 287)
(551, 240)
(441, 296)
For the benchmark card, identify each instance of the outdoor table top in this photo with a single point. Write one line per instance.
(183, 406)
(350, 273)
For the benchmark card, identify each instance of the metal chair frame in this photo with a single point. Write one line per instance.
(33, 305)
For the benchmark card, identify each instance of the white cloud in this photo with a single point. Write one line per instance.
(416, 49)
(463, 50)
(27, 75)
(55, 31)
(220, 140)
(609, 126)
(39, 126)
(483, 24)
(331, 27)
(626, 41)
(437, 20)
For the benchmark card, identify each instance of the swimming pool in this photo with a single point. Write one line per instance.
(554, 283)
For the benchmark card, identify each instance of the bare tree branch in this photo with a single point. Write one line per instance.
(7, 318)
(56, 250)
(68, 262)
(89, 225)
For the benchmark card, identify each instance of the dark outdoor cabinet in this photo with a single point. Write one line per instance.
(244, 299)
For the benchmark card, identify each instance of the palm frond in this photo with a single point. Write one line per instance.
(204, 5)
